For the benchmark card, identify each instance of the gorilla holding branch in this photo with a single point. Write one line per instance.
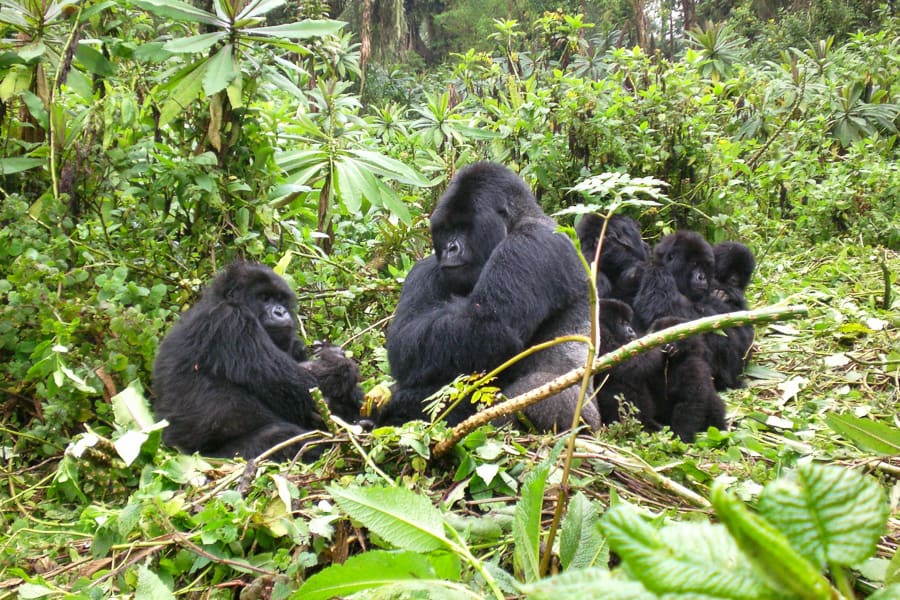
(500, 280)
(232, 377)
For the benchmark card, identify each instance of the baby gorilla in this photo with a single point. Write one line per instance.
(227, 376)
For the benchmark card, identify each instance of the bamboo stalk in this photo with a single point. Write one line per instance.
(770, 314)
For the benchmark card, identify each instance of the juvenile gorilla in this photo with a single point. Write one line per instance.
(683, 393)
(629, 381)
(500, 280)
(232, 378)
(622, 250)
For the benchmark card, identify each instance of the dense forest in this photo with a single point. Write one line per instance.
(147, 144)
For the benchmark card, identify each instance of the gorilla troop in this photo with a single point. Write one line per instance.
(232, 377)
(500, 280)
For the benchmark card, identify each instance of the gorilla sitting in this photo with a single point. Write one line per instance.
(683, 393)
(676, 280)
(679, 283)
(232, 378)
(500, 280)
(623, 250)
(628, 381)
(729, 355)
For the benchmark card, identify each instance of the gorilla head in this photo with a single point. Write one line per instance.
(622, 243)
(735, 264)
(476, 212)
(689, 258)
(263, 298)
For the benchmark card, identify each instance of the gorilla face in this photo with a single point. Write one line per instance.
(689, 258)
(465, 231)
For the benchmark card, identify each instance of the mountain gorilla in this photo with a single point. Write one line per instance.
(629, 381)
(623, 249)
(729, 355)
(683, 392)
(681, 282)
(676, 279)
(500, 280)
(232, 378)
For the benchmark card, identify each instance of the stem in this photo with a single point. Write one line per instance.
(460, 548)
(54, 181)
(639, 346)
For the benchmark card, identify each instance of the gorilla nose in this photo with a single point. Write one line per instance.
(279, 312)
(453, 248)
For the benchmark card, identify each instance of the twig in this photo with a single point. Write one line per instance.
(638, 346)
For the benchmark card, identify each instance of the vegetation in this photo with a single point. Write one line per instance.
(148, 143)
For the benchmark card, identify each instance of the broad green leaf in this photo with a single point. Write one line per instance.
(390, 168)
(867, 434)
(586, 583)
(17, 80)
(891, 592)
(180, 11)
(695, 559)
(150, 586)
(394, 203)
(193, 43)
(404, 519)
(527, 523)
(184, 88)
(220, 72)
(581, 545)
(893, 571)
(830, 514)
(768, 548)
(257, 8)
(370, 570)
(33, 590)
(301, 30)
(131, 408)
(94, 61)
(352, 185)
(31, 51)
(17, 164)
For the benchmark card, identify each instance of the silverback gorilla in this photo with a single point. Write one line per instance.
(500, 280)
(232, 378)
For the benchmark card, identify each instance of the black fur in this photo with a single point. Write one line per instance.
(628, 381)
(500, 280)
(227, 376)
(729, 354)
(622, 251)
(683, 391)
(675, 280)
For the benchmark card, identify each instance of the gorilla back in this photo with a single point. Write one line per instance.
(500, 280)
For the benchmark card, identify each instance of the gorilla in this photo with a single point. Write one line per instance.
(729, 354)
(683, 392)
(623, 249)
(676, 280)
(232, 377)
(500, 280)
(681, 282)
(735, 264)
(628, 381)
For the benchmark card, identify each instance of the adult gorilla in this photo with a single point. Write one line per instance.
(500, 280)
(232, 378)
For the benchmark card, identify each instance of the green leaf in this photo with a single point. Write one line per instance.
(768, 548)
(370, 570)
(586, 583)
(301, 30)
(258, 8)
(131, 408)
(527, 523)
(830, 514)
(221, 71)
(693, 559)
(390, 168)
(581, 545)
(180, 11)
(404, 519)
(867, 434)
(891, 592)
(352, 185)
(150, 586)
(94, 61)
(193, 43)
(17, 80)
(17, 164)
(184, 88)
